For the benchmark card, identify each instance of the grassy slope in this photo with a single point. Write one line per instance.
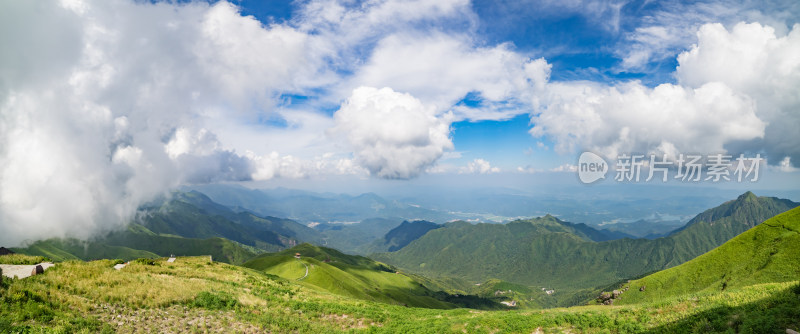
(193, 294)
(715, 226)
(347, 275)
(769, 252)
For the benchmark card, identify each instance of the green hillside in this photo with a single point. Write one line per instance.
(288, 230)
(358, 237)
(546, 252)
(195, 295)
(137, 242)
(349, 275)
(770, 252)
(193, 215)
(715, 226)
(73, 249)
(400, 236)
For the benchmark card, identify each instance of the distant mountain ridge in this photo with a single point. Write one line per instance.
(307, 206)
(407, 232)
(547, 252)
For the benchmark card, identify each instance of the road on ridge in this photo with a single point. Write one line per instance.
(305, 265)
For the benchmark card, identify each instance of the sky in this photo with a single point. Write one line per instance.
(105, 105)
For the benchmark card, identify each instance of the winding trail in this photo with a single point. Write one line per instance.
(305, 265)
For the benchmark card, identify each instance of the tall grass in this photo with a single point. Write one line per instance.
(194, 294)
(22, 259)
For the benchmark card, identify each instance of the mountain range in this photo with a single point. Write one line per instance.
(549, 253)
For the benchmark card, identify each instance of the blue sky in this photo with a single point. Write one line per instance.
(105, 105)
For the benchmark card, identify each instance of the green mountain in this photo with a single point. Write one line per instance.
(401, 236)
(73, 249)
(548, 253)
(138, 242)
(357, 237)
(354, 276)
(769, 252)
(715, 226)
(194, 215)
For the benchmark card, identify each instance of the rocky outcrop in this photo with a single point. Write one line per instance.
(37, 270)
(607, 298)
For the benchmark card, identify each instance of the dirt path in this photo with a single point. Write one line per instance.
(305, 265)
(22, 271)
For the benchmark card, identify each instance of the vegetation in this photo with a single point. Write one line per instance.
(356, 238)
(22, 259)
(769, 252)
(548, 253)
(73, 249)
(356, 277)
(138, 242)
(407, 232)
(194, 294)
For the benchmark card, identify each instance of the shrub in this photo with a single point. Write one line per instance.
(214, 301)
(147, 262)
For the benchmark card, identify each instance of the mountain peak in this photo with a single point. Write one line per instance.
(749, 195)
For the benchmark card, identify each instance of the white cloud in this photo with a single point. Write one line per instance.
(392, 134)
(441, 69)
(246, 58)
(786, 165)
(671, 28)
(634, 118)
(565, 168)
(102, 105)
(479, 166)
(736, 93)
(753, 61)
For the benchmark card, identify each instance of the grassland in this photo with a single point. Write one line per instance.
(196, 295)
(769, 252)
(348, 275)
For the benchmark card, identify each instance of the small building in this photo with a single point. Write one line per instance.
(297, 255)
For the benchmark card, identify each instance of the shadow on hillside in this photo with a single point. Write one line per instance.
(773, 314)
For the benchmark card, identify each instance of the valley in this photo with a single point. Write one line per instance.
(546, 271)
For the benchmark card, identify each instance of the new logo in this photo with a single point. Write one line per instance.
(591, 167)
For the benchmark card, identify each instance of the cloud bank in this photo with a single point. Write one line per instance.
(101, 106)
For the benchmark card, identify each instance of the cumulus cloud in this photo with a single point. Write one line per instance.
(479, 166)
(671, 27)
(736, 93)
(759, 64)
(634, 118)
(392, 134)
(441, 69)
